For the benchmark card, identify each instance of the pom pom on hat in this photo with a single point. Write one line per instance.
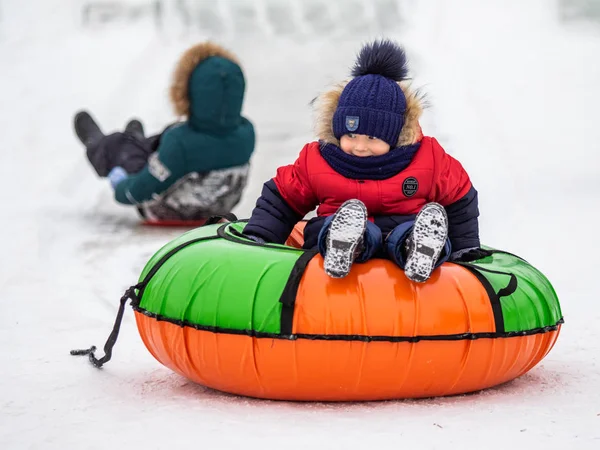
(373, 103)
(385, 58)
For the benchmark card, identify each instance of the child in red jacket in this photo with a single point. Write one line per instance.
(381, 187)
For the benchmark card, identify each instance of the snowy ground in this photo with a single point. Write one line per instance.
(514, 96)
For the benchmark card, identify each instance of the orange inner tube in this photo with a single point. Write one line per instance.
(343, 370)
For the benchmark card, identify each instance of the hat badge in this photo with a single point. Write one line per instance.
(352, 123)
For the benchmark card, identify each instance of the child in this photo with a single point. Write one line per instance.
(381, 187)
(192, 169)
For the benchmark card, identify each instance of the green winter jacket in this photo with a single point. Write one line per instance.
(215, 136)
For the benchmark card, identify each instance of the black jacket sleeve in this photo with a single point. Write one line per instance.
(272, 219)
(463, 225)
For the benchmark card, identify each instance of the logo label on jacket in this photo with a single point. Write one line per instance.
(410, 186)
(157, 169)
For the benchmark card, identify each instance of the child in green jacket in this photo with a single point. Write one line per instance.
(195, 168)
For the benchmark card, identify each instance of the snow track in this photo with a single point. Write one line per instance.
(514, 96)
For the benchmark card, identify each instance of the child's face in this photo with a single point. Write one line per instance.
(363, 145)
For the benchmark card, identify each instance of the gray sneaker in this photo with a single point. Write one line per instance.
(426, 242)
(345, 237)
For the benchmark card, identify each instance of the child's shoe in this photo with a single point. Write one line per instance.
(426, 242)
(135, 128)
(87, 129)
(345, 237)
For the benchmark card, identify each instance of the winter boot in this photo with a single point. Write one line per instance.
(345, 238)
(87, 129)
(426, 242)
(135, 128)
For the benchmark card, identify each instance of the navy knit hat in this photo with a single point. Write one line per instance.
(373, 103)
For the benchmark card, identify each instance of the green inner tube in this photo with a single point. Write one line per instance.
(215, 278)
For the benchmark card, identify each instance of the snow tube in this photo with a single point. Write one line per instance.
(266, 321)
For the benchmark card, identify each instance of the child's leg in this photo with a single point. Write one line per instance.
(347, 236)
(420, 246)
(129, 152)
(115, 150)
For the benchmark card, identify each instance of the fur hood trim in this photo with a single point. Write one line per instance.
(184, 68)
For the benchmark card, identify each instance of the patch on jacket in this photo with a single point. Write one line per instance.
(157, 169)
(352, 123)
(410, 186)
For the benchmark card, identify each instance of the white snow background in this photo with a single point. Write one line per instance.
(514, 93)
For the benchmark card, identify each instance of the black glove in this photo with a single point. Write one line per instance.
(256, 239)
(470, 254)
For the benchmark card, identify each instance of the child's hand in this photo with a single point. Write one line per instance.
(469, 254)
(116, 175)
(256, 239)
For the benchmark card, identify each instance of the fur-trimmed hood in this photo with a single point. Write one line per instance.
(326, 104)
(208, 87)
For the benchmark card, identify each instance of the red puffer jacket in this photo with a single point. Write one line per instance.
(432, 175)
